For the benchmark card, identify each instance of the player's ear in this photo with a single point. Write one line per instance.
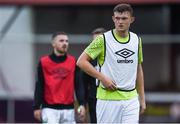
(113, 18)
(132, 19)
(53, 43)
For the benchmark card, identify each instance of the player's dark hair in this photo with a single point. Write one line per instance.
(123, 7)
(98, 30)
(58, 33)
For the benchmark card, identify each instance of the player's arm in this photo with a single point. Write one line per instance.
(79, 87)
(140, 88)
(38, 94)
(80, 94)
(140, 81)
(91, 52)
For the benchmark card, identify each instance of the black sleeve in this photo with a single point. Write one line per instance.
(39, 87)
(79, 87)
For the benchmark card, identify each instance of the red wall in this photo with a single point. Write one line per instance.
(85, 2)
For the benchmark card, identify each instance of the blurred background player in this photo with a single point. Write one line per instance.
(91, 84)
(56, 81)
(119, 54)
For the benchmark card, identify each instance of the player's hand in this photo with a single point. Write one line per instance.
(142, 106)
(37, 114)
(109, 84)
(81, 113)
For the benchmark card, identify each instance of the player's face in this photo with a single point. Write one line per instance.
(60, 44)
(122, 21)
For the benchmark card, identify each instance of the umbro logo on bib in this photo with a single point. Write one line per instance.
(125, 53)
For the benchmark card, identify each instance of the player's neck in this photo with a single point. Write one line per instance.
(57, 53)
(122, 33)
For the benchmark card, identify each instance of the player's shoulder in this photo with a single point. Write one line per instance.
(99, 37)
(97, 42)
(132, 34)
(135, 34)
(71, 57)
(44, 57)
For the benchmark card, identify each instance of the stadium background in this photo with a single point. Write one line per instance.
(25, 34)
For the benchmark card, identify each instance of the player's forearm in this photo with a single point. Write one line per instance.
(140, 83)
(38, 96)
(140, 89)
(38, 93)
(79, 87)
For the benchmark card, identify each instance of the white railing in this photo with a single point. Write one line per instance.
(85, 38)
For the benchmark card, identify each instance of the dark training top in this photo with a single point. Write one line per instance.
(57, 77)
(90, 84)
